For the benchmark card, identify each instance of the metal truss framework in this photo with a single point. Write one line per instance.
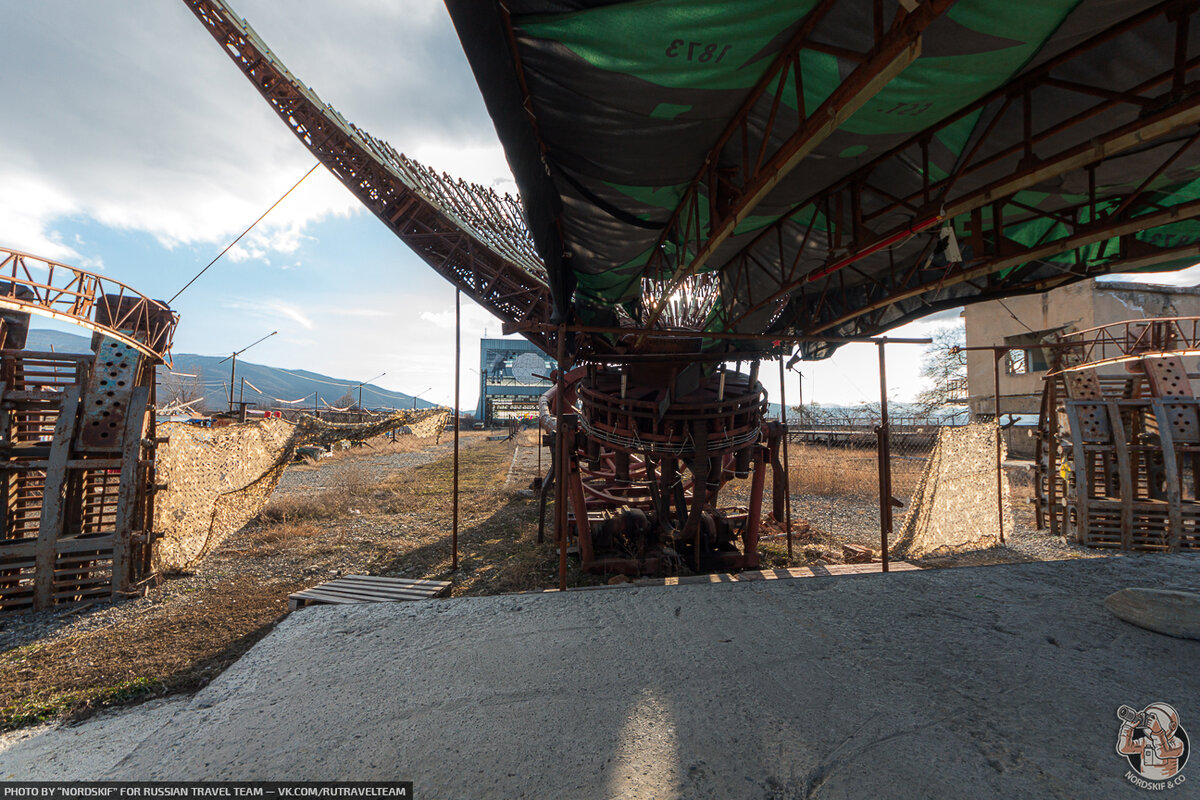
(473, 238)
(869, 219)
(1130, 340)
(732, 195)
(35, 285)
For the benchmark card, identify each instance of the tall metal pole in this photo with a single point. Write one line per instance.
(457, 425)
(996, 356)
(560, 444)
(885, 462)
(233, 367)
(787, 476)
(232, 382)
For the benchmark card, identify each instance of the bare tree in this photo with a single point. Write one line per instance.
(945, 369)
(178, 388)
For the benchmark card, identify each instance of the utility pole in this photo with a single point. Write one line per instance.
(360, 389)
(233, 366)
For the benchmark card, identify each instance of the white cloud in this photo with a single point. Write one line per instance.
(187, 150)
(474, 318)
(27, 206)
(289, 312)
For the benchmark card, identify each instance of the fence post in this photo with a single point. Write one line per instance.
(787, 475)
(997, 354)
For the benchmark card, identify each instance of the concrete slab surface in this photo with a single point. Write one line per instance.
(985, 682)
(82, 752)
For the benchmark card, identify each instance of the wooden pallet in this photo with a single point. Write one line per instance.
(367, 589)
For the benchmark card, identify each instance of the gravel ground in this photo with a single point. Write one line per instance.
(306, 478)
(834, 520)
(224, 564)
(855, 520)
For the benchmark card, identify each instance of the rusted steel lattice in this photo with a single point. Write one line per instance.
(77, 437)
(35, 285)
(1118, 455)
(824, 277)
(471, 236)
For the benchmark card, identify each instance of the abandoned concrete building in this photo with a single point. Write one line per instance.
(1024, 323)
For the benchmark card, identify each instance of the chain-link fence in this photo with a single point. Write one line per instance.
(943, 476)
(835, 478)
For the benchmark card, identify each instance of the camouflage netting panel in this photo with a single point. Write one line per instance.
(954, 506)
(424, 424)
(218, 479)
(207, 467)
(628, 98)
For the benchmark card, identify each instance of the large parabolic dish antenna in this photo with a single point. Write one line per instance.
(814, 167)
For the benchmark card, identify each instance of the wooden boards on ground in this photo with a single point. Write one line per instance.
(367, 589)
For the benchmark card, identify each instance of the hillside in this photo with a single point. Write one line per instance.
(193, 375)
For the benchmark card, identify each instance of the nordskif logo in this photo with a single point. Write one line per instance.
(1155, 745)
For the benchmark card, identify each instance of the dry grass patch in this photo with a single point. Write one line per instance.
(177, 645)
(847, 471)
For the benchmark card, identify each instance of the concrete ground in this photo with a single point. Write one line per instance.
(984, 682)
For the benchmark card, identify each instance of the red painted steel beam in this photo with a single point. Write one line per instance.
(891, 55)
(1095, 151)
(1179, 113)
(1087, 235)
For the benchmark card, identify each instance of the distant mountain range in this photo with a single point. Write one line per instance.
(193, 375)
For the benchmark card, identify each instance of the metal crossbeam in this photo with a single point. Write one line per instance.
(36, 285)
(1157, 110)
(892, 53)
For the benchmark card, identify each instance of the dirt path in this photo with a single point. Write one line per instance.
(379, 466)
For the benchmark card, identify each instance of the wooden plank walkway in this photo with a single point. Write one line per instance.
(378, 589)
(826, 570)
(367, 589)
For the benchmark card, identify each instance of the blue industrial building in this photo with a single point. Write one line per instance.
(513, 374)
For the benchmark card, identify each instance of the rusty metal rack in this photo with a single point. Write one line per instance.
(1118, 456)
(77, 442)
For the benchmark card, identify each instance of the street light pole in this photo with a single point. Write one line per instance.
(418, 394)
(233, 366)
(364, 383)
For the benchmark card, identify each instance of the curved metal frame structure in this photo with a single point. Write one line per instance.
(474, 238)
(1117, 462)
(100, 304)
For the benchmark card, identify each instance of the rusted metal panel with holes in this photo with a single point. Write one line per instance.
(109, 388)
(1118, 458)
(75, 458)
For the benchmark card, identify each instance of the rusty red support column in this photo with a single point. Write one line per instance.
(787, 473)
(997, 354)
(885, 461)
(457, 423)
(560, 444)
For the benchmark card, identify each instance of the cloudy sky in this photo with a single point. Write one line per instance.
(134, 147)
